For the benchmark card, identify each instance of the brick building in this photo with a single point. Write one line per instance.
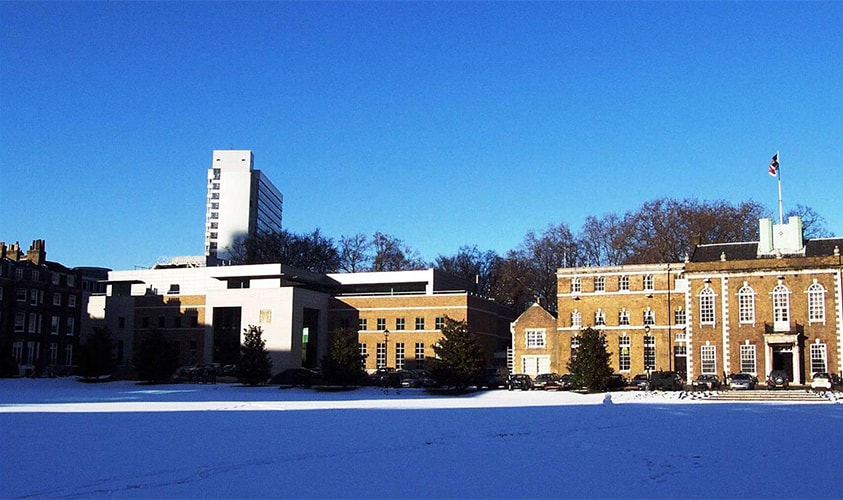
(41, 304)
(751, 307)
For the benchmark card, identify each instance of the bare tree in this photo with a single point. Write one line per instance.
(605, 241)
(471, 264)
(813, 224)
(392, 254)
(354, 253)
(312, 252)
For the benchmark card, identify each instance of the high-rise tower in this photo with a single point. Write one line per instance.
(241, 202)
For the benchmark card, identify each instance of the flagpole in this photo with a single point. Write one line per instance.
(779, 177)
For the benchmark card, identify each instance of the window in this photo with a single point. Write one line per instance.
(20, 319)
(363, 324)
(33, 321)
(399, 323)
(748, 359)
(364, 353)
(535, 338)
(576, 285)
(706, 306)
(71, 325)
(30, 352)
(623, 283)
(54, 353)
(54, 325)
(1, 293)
(679, 316)
(17, 350)
(21, 295)
(600, 284)
(56, 278)
(439, 322)
(71, 301)
(708, 359)
(746, 305)
(399, 356)
(649, 352)
(816, 303)
(648, 282)
(818, 358)
(68, 355)
(56, 299)
(649, 317)
(623, 317)
(575, 345)
(781, 304)
(265, 316)
(33, 297)
(381, 323)
(623, 353)
(576, 319)
(380, 355)
(420, 355)
(419, 323)
(599, 317)
(71, 280)
(36, 276)
(18, 274)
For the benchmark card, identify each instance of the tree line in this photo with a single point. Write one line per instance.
(659, 231)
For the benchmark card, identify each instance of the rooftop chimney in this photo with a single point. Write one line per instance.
(37, 253)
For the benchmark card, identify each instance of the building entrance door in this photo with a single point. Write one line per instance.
(783, 359)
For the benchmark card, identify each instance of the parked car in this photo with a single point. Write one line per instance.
(385, 377)
(823, 381)
(495, 378)
(617, 382)
(778, 378)
(546, 381)
(519, 381)
(706, 382)
(415, 379)
(566, 382)
(640, 382)
(666, 381)
(742, 381)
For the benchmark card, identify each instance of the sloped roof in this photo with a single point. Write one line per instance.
(819, 247)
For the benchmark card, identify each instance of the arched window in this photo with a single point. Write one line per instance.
(576, 319)
(649, 317)
(781, 306)
(746, 304)
(623, 317)
(599, 318)
(816, 303)
(706, 306)
(576, 285)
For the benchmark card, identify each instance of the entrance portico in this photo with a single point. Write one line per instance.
(783, 353)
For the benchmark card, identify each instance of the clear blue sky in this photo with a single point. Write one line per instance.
(441, 123)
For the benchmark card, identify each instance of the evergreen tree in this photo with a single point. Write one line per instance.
(590, 368)
(155, 358)
(95, 356)
(343, 365)
(254, 367)
(460, 359)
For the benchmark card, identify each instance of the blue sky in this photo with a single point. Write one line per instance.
(442, 123)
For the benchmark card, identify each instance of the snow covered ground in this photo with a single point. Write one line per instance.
(62, 438)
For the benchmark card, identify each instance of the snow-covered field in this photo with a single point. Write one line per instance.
(62, 438)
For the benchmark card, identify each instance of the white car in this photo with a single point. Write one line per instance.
(822, 380)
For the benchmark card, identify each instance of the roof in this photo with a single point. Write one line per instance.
(819, 247)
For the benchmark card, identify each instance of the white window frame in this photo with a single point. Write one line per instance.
(420, 355)
(576, 285)
(54, 325)
(71, 300)
(380, 355)
(648, 283)
(623, 317)
(623, 283)
(649, 352)
(649, 316)
(819, 358)
(707, 298)
(599, 317)
(624, 353)
(576, 319)
(71, 326)
(749, 359)
(599, 284)
(746, 305)
(364, 352)
(816, 303)
(399, 355)
(781, 306)
(535, 338)
(680, 316)
(708, 359)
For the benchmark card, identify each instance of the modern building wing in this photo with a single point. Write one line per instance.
(241, 202)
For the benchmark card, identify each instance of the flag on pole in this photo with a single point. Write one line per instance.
(774, 165)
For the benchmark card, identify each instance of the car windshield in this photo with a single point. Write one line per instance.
(822, 375)
(740, 376)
